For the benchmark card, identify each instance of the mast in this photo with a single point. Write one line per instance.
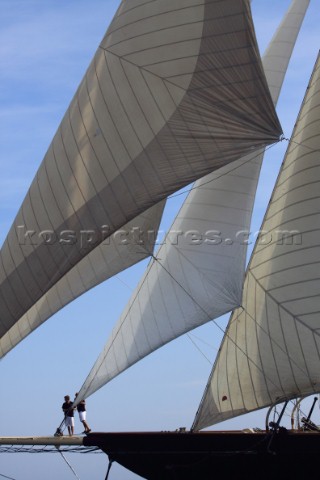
(271, 347)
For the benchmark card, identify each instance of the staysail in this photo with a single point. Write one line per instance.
(198, 272)
(175, 90)
(271, 347)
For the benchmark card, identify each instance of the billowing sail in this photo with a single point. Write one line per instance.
(131, 244)
(198, 272)
(175, 90)
(271, 348)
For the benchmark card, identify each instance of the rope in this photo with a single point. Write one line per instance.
(109, 468)
(36, 449)
(198, 348)
(5, 476)
(60, 429)
(69, 465)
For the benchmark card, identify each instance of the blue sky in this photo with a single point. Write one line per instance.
(45, 47)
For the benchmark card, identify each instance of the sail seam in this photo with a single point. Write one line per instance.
(293, 204)
(167, 121)
(128, 116)
(48, 185)
(272, 346)
(165, 14)
(220, 176)
(258, 345)
(309, 247)
(275, 272)
(294, 317)
(214, 321)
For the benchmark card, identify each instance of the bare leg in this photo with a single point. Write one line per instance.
(86, 426)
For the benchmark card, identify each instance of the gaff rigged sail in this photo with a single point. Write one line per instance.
(271, 347)
(175, 90)
(198, 273)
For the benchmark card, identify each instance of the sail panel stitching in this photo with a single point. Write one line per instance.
(284, 254)
(275, 272)
(271, 344)
(294, 318)
(259, 347)
(220, 176)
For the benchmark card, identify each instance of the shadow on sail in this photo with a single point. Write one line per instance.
(174, 92)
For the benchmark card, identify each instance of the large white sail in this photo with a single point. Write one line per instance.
(271, 348)
(131, 244)
(175, 90)
(113, 256)
(198, 272)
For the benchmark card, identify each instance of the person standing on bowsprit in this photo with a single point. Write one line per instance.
(68, 411)
(81, 407)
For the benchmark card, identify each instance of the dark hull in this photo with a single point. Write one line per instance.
(213, 455)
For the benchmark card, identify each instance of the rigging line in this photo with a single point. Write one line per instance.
(105, 353)
(264, 150)
(193, 188)
(220, 328)
(283, 138)
(188, 334)
(224, 331)
(203, 341)
(69, 465)
(109, 468)
(103, 356)
(123, 282)
(226, 335)
(5, 476)
(49, 449)
(198, 348)
(302, 145)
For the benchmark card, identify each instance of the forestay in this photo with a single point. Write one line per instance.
(198, 271)
(271, 348)
(175, 90)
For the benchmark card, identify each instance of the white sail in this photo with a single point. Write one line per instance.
(113, 256)
(161, 105)
(198, 273)
(131, 244)
(271, 348)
